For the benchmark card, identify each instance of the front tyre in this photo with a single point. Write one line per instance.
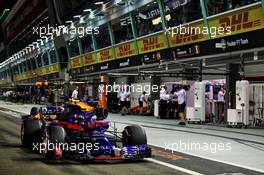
(134, 135)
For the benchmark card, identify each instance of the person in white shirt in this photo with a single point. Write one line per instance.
(163, 102)
(182, 96)
(141, 101)
(221, 95)
(122, 102)
(75, 93)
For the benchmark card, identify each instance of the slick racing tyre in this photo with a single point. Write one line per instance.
(30, 132)
(34, 111)
(53, 137)
(134, 135)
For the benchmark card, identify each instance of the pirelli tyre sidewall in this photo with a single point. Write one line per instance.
(30, 132)
(52, 135)
(134, 135)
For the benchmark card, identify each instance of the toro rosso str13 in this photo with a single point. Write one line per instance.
(77, 130)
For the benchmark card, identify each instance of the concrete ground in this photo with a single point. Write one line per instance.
(197, 148)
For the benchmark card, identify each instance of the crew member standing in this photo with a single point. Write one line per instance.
(122, 102)
(182, 96)
(75, 93)
(141, 101)
(163, 102)
(221, 104)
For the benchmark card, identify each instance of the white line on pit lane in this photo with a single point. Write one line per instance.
(173, 166)
(225, 162)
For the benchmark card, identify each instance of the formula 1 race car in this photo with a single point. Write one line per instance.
(79, 131)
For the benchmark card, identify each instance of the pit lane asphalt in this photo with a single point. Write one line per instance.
(16, 160)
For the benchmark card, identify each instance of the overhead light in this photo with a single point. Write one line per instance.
(46, 39)
(37, 44)
(77, 16)
(99, 3)
(68, 22)
(26, 51)
(41, 42)
(33, 46)
(88, 10)
(120, 2)
(82, 20)
(91, 16)
(103, 7)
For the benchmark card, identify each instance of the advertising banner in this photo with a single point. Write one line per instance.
(242, 21)
(187, 34)
(89, 59)
(125, 50)
(150, 44)
(105, 55)
(76, 62)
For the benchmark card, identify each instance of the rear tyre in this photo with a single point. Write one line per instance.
(30, 132)
(134, 135)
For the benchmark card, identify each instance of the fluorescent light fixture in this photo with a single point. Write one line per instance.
(120, 2)
(33, 46)
(103, 7)
(46, 39)
(82, 20)
(41, 42)
(99, 3)
(37, 44)
(88, 10)
(68, 22)
(77, 16)
(91, 16)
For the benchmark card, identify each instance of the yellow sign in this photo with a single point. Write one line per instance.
(76, 62)
(89, 59)
(39, 72)
(105, 55)
(150, 44)
(54, 68)
(125, 50)
(245, 20)
(186, 34)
